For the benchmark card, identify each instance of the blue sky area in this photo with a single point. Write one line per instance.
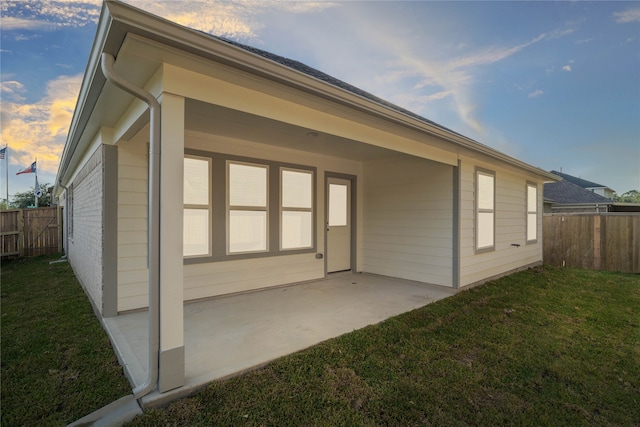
(555, 84)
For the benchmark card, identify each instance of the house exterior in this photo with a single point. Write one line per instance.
(599, 189)
(255, 171)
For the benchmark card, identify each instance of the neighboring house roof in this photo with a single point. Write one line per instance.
(567, 193)
(579, 181)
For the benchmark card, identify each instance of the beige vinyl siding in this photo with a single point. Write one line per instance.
(215, 278)
(133, 274)
(408, 219)
(226, 277)
(86, 242)
(220, 278)
(510, 226)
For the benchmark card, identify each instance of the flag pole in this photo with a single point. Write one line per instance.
(6, 170)
(35, 189)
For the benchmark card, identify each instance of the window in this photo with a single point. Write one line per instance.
(296, 209)
(532, 213)
(247, 209)
(241, 208)
(338, 205)
(485, 210)
(197, 207)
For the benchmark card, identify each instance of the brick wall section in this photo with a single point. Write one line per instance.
(85, 246)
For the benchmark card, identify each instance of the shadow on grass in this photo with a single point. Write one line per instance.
(57, 362)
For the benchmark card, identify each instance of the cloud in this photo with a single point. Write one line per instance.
(437, 96)
(536, 93)
(13, 89)
(10, 23)
(453, 76)
(40, 129)
(238, 20)
(566, 68)
(225, 18)
(629, 15)
(49, 15)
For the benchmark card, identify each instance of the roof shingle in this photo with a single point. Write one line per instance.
(565, 192)
(578, 181)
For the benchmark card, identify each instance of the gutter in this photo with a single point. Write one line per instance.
(153, 241)
(66, 220)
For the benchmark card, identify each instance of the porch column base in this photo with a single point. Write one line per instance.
(171, 373)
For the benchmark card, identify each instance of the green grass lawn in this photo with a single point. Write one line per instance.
(57, 363)
(542, 347)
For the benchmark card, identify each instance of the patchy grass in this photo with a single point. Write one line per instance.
(541, 347)
(57, 362)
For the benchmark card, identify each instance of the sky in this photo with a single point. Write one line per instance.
(554, 84)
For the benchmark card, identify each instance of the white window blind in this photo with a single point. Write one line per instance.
(247, 231)
(247, 185)
(532, 213)
(196, 232)
(338, 205)
(247, 207)
(296, 189)
(485, 210)
(196, 239)
(296, 209)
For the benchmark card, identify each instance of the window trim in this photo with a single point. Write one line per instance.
(219, 219)
(208, 206)
(481, 171)
(229, 207)
(283, 209)
(528, 186)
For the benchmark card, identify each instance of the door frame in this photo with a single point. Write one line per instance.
(354, 217)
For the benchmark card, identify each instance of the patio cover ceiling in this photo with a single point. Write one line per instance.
(217, 120)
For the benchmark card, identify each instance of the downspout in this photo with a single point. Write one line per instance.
(66, 220)
(153, 241)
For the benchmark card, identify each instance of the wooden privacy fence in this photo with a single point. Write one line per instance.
(31, 232)
(608, 241)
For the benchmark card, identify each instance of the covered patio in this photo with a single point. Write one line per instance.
(229, 335)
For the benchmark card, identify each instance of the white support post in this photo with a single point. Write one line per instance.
(171, 358)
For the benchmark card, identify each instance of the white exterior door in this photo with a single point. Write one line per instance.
(338, 225)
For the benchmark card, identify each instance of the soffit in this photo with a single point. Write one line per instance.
(217, 120)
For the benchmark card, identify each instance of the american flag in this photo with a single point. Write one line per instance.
(3, 153)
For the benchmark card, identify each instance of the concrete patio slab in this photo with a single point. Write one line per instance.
(230, 335)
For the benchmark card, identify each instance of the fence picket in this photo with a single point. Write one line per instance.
(607, 241)
(30, 232)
